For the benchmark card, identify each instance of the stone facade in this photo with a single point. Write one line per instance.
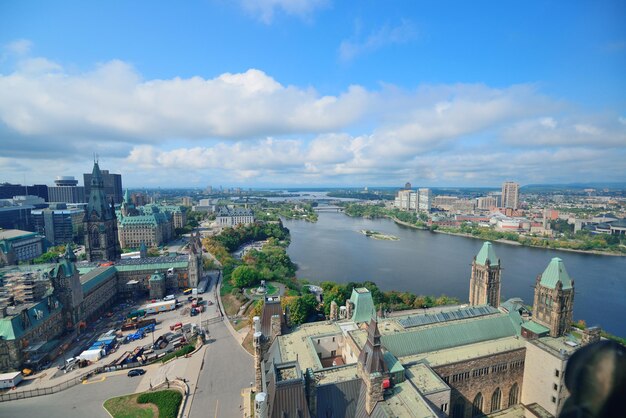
(485, 278)
(553, 308)
(481, 378)
(100, 223)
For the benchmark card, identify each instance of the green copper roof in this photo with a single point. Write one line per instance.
(454, 334)
(364, 309)
(153, 266)
(11, 327)
(535, 328)
(554, 273)
(96, 276)
(487, 253)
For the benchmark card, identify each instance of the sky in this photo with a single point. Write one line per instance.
(284, 93)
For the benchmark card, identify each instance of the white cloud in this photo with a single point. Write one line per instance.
(19, 46)
(265, 10)
(404, 32)
(249, 128)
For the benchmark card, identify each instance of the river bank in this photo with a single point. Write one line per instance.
(503, 241)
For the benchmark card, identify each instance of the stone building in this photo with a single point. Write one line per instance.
(30, 332)
(17, 245)
(460, 361)
(231, 217)
(485, 278)
(149, 224)
(553, 306)
(100, 224)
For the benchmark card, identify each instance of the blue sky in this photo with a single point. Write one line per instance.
(320, 92)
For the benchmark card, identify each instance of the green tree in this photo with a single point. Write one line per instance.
(301, 308)
(244, 276)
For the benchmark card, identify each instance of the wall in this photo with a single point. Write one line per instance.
(484, 375)
(540, 378)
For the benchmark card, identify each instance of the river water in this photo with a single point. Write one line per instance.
(428, 263)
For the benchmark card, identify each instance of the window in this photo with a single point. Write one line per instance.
(553, 399)
(444, 407)
(556, 372)
(513, 394)
(495, 400)
(555, 386)
(477, 405)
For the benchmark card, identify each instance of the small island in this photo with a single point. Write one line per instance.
(378, 235)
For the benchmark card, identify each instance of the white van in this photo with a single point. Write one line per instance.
(169, 297)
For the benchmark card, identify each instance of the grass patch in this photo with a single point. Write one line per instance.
(231, 304)
(128, 407)
(248, 345)
(241, 323)
(167, 401)
(178, 353)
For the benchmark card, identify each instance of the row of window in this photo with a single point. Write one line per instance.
(483, 371)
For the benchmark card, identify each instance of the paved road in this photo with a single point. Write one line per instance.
(227, 369)
(81, 401)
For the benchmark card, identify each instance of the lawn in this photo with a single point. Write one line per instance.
(161, 404)
(127, 407)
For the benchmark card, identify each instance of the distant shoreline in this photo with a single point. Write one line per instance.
(509, 242)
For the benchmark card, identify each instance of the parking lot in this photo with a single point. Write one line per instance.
(112, 321)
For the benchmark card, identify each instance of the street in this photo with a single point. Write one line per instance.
(227, 369)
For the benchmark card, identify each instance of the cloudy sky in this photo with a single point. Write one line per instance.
(261, 93)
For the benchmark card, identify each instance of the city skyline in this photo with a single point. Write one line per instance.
(320, 93)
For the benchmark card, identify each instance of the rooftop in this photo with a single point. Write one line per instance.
(466, 352)
(297, 345)
(11, 234)
(487, 253)
(336, 374)
(425, 379)
(406, 402)
(555, 273)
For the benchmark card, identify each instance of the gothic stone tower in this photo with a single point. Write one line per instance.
(554, 298)
(485, 279)
(67, 288)
(372, 368)
(101, 239)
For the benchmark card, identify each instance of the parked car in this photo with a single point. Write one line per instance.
(136, 372)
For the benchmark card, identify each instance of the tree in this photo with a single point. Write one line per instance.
(244, 276)
(301, 308)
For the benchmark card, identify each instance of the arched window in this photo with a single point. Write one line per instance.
(458, 410)
(477, 405)
(94, 238)
(513, 394)
(495, 400)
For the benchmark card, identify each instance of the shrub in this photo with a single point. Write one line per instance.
(167, 401)
(178, 353)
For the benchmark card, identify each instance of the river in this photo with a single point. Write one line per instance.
(428, 263)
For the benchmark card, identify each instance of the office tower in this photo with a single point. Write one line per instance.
(66, 190)
(8, 190)
(510, 195)
(112, 186)
(59, 224)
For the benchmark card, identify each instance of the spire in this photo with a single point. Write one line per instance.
(487, 254)
(555, 273)
(372, 354)
(96, 177)
(127, 197)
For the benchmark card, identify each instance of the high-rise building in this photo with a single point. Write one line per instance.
(486, 202)
(510, 195)
(7, 190)
(66, 190)
(100, 222)
(112, 186)
(423, 200)
(59, 224)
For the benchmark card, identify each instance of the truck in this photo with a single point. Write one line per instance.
(136, 313)
(164, 306)
(138, 324)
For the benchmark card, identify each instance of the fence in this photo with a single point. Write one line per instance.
(31, 393)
